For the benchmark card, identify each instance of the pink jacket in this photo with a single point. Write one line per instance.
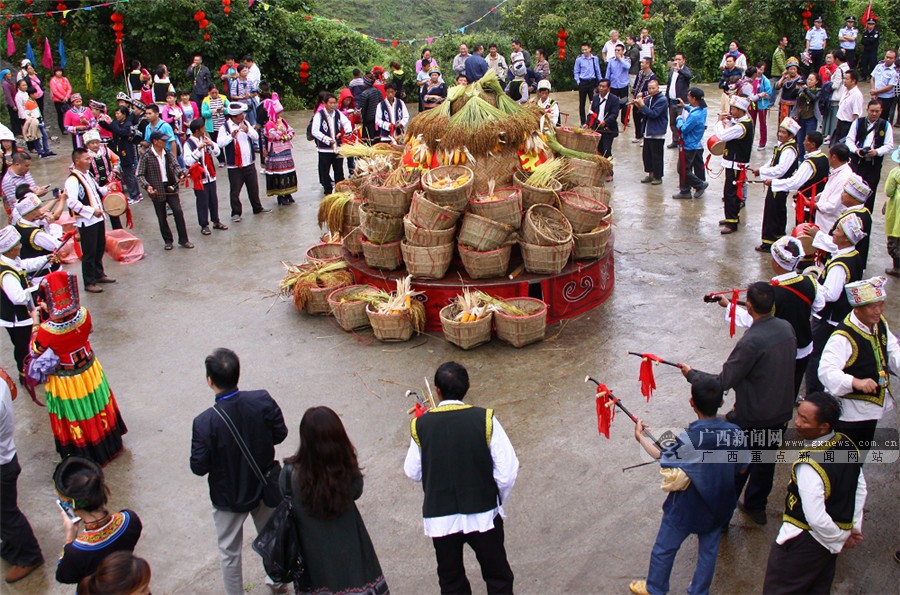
(60, 89)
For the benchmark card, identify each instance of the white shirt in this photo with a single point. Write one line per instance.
(13, 289)
(670, 90)
(797, 181)
(506, 468)
(832, 287)
(328, 138)
(196, 156)
(743, 319)
(243, 139)
(84, 214)
(851, 105)
(609, 49)
(254, 75)
(552, 110)
(161, 160)
(45, 237)
(812, 497)
(828, 203)
(869, 140)
(838, 90)
(7, 425)
(385, 117)
(729, 130)
(837, 353)
(646, 47)
(785, 162)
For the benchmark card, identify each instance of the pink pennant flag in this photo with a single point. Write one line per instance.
(250, 3)
(47, 61)
(429, 40)
(10, 44)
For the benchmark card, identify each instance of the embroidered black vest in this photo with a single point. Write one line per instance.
(868, 360)
(9, 311)
(852, 264)
(739, 149)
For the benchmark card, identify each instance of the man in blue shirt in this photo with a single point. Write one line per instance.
(815, 44)
(691, 125)
(476, 65)
(587, 75)
(699, 470)
(847, 38)
(156, 124)
(617, 68)
(884, 83)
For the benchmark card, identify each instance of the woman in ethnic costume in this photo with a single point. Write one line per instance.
(281, 175)
(83, 412)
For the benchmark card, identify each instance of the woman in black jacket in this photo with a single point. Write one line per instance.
(123, 129)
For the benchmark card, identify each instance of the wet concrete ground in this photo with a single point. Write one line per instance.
(577, 523)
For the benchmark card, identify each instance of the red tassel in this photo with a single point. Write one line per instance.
(648, 382)
(732, 311)
(606, 411)
(741, 180)
(420, 410)
(129, 222)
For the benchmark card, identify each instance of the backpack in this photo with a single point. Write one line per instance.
(309, 135)
(279, 541)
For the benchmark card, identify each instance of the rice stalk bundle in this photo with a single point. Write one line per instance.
(498, 305)
(300, 280)
(401, 177)
(331, 210)
(548, 174)
(475, 126)
(557, 148)
(431, 124)
(363, 150)
(399, 302)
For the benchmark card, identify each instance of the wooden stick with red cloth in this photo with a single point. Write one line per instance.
(648, 382)
(734, 303)
(606, 400)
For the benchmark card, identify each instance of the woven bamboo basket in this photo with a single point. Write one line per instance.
(425, 213)
(508, 209)
(585, 173)
(350, 315)
(360, 183)
(483, 234)
(455, 198)
(465, 335)
(353, 240)
(380, 228)
(593, 243)
(323, 253)
(351, 212)
(545, 260)
(317, 304)
(390, 327)
(391, 201)
(583, 212)
(585, 142)
(519, 331)
(499, 167)
(484, 265)
(419, 236)
(596, 192)
(535, 196)
(382, 256)
(427, 262)
(346, 186)
(534, 234)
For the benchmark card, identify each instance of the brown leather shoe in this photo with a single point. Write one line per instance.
(187, 245)
(17, 573)
(106, 279)
(93, 289)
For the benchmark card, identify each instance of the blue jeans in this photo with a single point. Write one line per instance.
(807, 125)
(668, 541)
(130, 182)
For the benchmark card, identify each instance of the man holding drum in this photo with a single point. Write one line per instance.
(83, 197)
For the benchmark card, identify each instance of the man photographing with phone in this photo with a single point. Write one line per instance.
(677, 93)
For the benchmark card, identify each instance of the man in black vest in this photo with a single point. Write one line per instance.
(783, 165)
(843, 266)
(850, 367)
(15, 301)
(236, 138)
(32, 226)
(810, 178)
(602, 117)
(467, 467)
(760, 369)
(736, 130)
(83, 197)
(869, 140)
(823, 509)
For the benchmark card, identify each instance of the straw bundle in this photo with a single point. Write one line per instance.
(477, 126)
(301, 281)
(546, 226)
(332, 210)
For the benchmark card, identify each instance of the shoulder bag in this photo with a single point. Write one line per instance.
(271, 492)
(279, 541)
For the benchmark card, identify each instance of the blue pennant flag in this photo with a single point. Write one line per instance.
(62, 53)
(29, 53)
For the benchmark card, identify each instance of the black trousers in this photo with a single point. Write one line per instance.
(239, 177)
(692, 174)
(730, 197)
(674, 112)
(638, 118)
(174, 202)
(15, 124)
(328, 163)
(490, 553)
(19, 546)
(604, 147)
(799, 372)
(207, 204)
(61, 108)
(774, 216)
(840, 132)
(800, 565)
(653, 152)
(821, 331)
(93, 245)
(585, 93)
(818, 59)
(371, 134)
(20, 337)
(622, 94)
(759, 476)
(867, 65)
(115, 222)
(849, 58)
(861, 432)
(870, 172)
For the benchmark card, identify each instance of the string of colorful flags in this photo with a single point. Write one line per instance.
(64, 13)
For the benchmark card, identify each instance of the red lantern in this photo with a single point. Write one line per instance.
(563, 34)
(204, 24)
(118, 27)
(60, 6)
(560, 44)
(199, 16)
(116, 17)
(206, 37)
(304, 67)
(62, 21)
(806, 14)
(226, 2)
(227, 10)
(646, 4)
(29, 2)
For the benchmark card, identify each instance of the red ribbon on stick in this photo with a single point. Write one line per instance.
(606, 410)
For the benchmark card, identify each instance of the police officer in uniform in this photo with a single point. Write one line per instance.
(869, 40)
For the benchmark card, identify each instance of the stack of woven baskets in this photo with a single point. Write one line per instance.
(381, 222)
(486, 231)
(547, 240)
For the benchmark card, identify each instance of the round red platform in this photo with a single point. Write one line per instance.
(579, 287)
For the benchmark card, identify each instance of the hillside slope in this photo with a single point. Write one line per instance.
(409, 19)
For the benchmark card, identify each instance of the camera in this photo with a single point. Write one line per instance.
(864, 151)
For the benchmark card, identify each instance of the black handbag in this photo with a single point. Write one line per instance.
(271, 491)
(278, 544)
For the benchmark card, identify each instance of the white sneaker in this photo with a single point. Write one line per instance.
(637, 140)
